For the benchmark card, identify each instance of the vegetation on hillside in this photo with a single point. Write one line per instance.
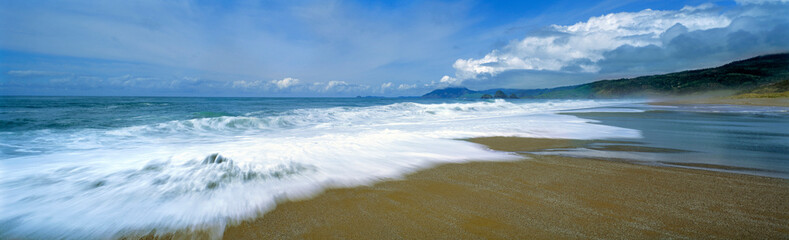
(770, 73)
(738, 76)
(773, 90)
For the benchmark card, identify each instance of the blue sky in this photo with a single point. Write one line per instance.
(349, 48)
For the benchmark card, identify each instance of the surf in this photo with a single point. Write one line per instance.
(207, 172)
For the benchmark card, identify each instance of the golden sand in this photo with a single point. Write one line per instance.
(543, 197)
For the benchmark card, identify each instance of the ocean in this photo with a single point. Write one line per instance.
(101, 167)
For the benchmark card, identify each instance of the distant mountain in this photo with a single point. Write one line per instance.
(739, 76)
(456, 92)
(461, 92)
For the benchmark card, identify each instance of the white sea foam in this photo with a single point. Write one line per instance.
(208, 172)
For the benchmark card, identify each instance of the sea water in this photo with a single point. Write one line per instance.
(733, 138)
(97, 167)
(102, 167)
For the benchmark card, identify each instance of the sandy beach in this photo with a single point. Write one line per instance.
(541, 196)
(744, 100)
(433, 119)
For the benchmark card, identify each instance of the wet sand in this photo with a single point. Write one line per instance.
(542, 196)
(750, 101)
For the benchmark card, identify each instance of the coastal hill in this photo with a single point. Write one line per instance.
(768, 74)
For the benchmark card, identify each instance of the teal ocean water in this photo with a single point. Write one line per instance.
(97, 167)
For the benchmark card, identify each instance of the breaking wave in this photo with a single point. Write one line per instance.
(209, 171)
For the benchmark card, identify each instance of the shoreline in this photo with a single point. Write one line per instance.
(542, 196)
(745, 101)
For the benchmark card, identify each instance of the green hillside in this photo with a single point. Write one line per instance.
(740, 76)
(772, 90)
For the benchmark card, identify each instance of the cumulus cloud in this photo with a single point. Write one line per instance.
(266, 85)
(285, 82)
(248, 84)
(645, 41)
(174, 85)
(406, 86)
(337, 87)
(386, 85)
(448, 80)
(333, 84)
(583, 44)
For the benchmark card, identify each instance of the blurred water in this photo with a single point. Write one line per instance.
(752, 138)
(95, 167)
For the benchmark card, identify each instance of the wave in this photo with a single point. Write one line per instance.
(208, 172)
(399, 113)
(210, 114)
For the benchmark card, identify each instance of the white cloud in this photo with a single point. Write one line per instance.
(406, 86)
(333, 84)
(247, 84)
(266, 85)
(285, 82)
(337, 87)
(583, 44)
(448, 80)
(386, 85)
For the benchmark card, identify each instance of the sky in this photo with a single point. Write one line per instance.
(366, 48)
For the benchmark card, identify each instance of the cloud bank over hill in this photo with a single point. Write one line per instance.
(632, 43)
